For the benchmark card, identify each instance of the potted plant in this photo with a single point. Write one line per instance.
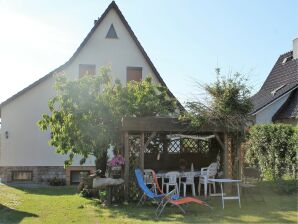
(115, 166)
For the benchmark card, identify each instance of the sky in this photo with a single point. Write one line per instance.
(186, 40)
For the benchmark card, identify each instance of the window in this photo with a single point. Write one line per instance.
(287, 59)
(85, 69)
(112, 33)
(134, 74)
(22, 175)
(75, 175)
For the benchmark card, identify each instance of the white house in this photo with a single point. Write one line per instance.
(24, 152)
(277, 100)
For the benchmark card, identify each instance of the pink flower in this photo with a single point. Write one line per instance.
(116, 161)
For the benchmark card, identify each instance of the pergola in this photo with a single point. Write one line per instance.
(146, 130)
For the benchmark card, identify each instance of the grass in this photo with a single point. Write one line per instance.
(63, 205)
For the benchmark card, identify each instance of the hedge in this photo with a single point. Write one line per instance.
(273, 149)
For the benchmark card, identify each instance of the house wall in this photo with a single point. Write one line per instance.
(265, 115)
(119, 53)
(26, 145)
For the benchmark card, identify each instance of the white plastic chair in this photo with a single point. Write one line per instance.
(172, 181)
(189, 181)
(149, 180)
(208, 172)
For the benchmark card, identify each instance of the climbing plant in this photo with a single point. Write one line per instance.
(228, 102)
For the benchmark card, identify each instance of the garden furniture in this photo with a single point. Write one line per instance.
(223, 196)
(189, 180)
(207, 173)
(148, 178)
(182, 174)
(164, 199)
(172, 177)
(251, 173)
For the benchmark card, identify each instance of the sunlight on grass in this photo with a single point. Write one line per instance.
(288, 216)
(63, 205)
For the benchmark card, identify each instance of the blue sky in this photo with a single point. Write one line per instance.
(186, 40)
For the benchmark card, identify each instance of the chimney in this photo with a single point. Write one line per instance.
(295, 48)
(95, 21)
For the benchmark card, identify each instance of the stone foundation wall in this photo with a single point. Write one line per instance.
(41, 174)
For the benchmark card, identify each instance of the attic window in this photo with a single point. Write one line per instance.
(277, 89)
(86, 69)
(112, 33)
(133, 74)
(287, 59)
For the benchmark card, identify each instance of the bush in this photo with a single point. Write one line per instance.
(272, 148)
(102, 196)
(56, 181)
(86, 193)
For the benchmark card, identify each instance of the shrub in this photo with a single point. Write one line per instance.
(86, 193)
(95, 193)
(102, 194)
(227, 103)
(56, 181)
(271, 147)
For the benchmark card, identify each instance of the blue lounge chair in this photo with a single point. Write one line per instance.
(163, 199)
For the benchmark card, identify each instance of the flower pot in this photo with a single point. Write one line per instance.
(116, 172)
(116, 168)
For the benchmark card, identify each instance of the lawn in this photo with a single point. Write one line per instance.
(63, 205)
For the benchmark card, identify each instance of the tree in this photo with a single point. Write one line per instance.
(85, 115)
(228, 102)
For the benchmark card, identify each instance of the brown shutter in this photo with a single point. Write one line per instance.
(134, 74)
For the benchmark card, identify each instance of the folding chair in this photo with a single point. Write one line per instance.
(163, 199)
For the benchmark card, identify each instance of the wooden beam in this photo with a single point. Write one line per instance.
(142, 150)
(166, 124)
(222, 145)
(126, 166)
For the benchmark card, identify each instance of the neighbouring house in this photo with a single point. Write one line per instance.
(24, 152)
(277, 100)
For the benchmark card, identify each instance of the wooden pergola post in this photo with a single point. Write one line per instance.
(238, 158)
(142, 150)
(227, 156)
(126, 166)
(168, 125)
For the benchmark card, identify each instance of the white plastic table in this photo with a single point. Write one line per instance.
(223, 197)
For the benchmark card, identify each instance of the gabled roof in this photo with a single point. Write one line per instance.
(289, 109)
(114, 6)
(282, 79)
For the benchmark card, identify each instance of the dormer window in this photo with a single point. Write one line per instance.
(112, 33)
(287, 59)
